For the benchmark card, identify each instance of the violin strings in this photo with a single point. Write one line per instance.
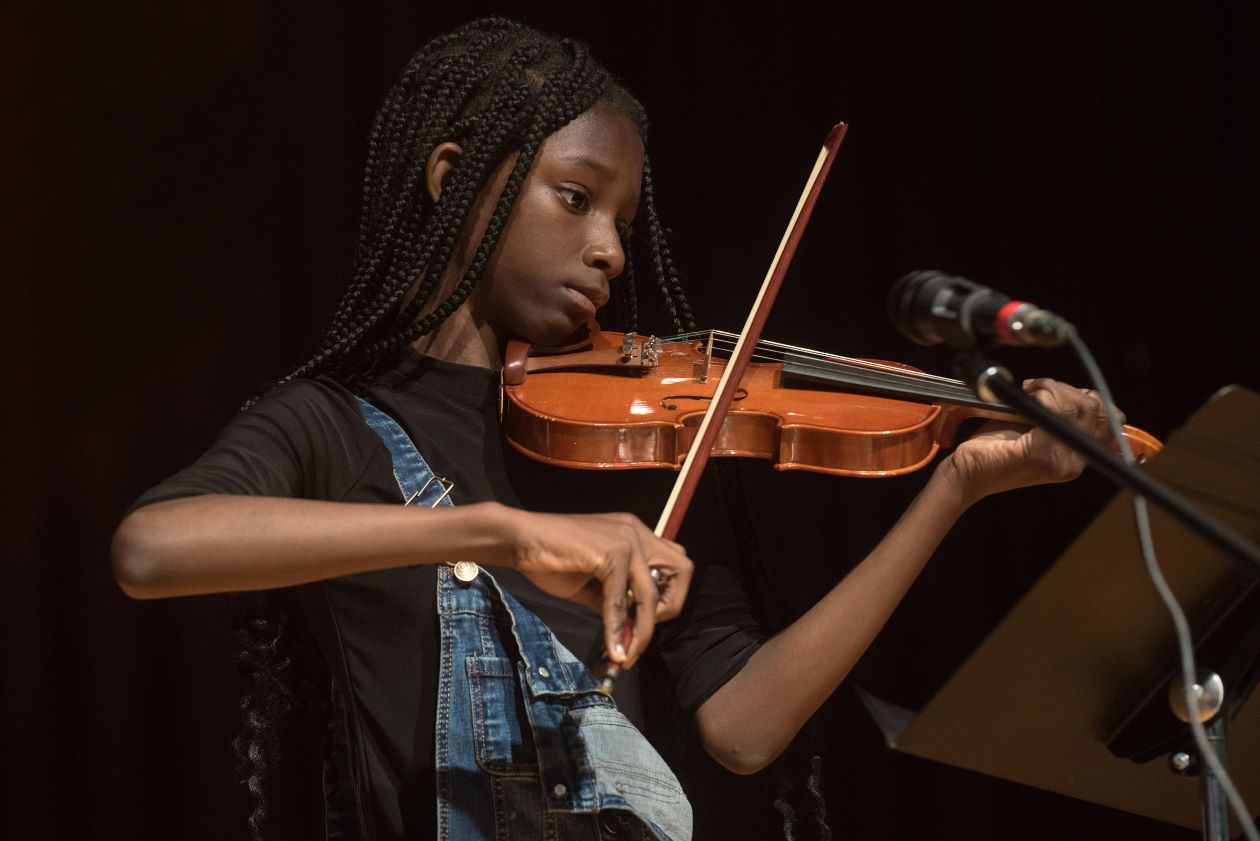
(832, 363)
(727, 343)
(825, 363)
(868, 364)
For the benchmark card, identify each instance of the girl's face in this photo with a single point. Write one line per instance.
(560, 247)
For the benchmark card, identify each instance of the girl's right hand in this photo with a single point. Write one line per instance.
(595, 559)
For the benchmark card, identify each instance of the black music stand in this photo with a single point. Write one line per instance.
(1079, 661)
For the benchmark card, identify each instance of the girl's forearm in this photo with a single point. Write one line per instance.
(219, 543)
(747, 723)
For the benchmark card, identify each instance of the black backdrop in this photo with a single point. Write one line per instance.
(181, 187)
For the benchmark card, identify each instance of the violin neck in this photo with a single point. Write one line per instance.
(887, 383)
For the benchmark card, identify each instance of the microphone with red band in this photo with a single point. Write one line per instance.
(933, 308)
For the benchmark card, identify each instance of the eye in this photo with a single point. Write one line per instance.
(576, 198)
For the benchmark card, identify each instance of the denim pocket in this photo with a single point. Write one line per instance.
(501, 733)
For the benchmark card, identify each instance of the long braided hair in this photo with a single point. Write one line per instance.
(496, 88)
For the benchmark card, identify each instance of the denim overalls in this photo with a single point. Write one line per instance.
(526, 746)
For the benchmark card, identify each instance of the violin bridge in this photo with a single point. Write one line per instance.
(708, 358)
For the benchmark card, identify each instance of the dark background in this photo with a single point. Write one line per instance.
(181, 186)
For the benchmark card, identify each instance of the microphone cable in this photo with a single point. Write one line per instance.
(1185, 646)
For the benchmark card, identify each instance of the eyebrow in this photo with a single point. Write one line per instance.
(590, 163)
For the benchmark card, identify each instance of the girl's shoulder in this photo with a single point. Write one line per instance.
(304, 438)
(306, 397)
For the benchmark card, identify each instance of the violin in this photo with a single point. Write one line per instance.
(620, 401)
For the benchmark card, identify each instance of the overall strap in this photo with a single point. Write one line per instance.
(416, 480)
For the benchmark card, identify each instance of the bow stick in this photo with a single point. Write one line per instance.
(698, 456)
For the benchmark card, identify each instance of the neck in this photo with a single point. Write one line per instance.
(464, 339)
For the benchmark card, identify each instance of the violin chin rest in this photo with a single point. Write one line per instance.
(514, 359)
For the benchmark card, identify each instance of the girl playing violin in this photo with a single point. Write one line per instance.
(507, 194)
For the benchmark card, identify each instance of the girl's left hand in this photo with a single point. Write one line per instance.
(1002, 456)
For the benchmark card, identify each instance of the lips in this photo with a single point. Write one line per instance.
(590, 298)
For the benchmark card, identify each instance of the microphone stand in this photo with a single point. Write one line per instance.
(994, 384)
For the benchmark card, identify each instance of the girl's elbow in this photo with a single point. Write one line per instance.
(733, 746)
(134, 558)
(740, 759)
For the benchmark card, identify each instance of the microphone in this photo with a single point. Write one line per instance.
(932, 308)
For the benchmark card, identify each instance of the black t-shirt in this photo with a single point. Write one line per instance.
(378, 630)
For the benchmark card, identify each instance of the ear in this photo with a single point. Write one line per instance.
(441, 161)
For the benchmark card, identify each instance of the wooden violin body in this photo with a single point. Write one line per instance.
(624, 401)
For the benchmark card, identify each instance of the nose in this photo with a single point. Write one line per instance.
(603, 251)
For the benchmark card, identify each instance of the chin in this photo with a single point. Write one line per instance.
(556, 334)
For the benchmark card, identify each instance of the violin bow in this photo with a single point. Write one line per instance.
(698, 456)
